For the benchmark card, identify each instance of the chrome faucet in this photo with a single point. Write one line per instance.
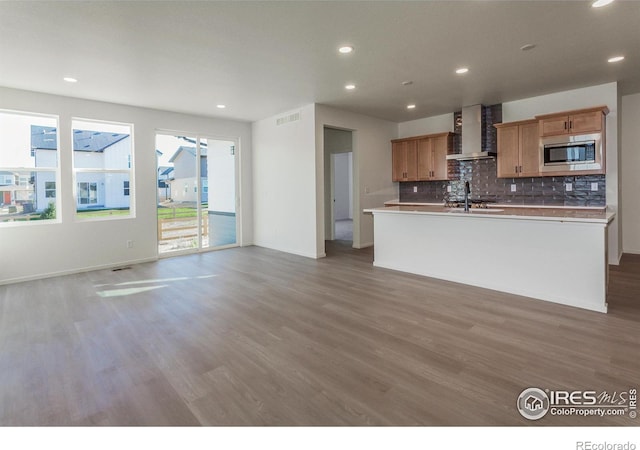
(467, 191)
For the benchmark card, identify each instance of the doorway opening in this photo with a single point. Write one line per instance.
(342, 164)
(339, 185)
(197, 193)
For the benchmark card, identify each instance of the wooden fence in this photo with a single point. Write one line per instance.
(178, 228)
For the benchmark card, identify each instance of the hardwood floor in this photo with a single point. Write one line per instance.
(251, 336)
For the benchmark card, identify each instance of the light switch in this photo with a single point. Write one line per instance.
(415, 189)
(594, 186)
(568, 187)
(448, 188)
(513, 188)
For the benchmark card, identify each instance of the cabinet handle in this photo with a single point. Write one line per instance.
(570, 124)
(516, 169)
(521, 170)
(565, 125)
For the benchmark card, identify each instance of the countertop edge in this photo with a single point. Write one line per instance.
(501, 205)
(387, 210)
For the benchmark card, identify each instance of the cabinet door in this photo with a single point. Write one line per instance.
(399, 158)
(586, 122)
(412, 160)
(554, 126)
(439, 147)
(529, 141)
(425, 158)
(508, 159)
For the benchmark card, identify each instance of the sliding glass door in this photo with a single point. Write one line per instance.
(196, 193)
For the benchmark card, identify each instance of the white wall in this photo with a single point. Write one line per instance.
(342, 191)
(284, 183)
(72, 246)
(427, 125)
(605, 94)
(630, 164)
(371, 168)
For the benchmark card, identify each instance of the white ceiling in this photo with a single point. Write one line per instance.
(263, 58)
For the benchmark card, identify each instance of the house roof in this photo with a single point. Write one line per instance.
(45, 138)
(164, 170)
(189, 150)
(182, 148)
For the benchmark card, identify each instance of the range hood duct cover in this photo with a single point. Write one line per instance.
(473, 127)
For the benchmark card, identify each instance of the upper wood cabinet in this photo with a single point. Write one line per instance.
(573, 122)
(405, 167)
(421, 158)
(518, 149)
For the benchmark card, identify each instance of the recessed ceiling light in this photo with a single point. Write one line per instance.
(616, 59)
(345, 49)
(221, 106)
(350, 87)
(527, 47)
(462, 70)
(601, 3)
(70, 80)
(412, 106)
(407, 83)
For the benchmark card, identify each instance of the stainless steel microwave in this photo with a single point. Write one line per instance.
(567, 153)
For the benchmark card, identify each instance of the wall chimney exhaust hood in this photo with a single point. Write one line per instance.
(473, 128)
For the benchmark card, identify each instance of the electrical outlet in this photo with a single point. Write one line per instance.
(129, 244)
(594, 186)
(448, 188)
(415, 189)
(366, 190)
(513, 188)
(568, 187)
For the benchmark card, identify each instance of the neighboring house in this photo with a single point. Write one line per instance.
(92, 150)
(15, 189)
(184, 186)
(165, 175)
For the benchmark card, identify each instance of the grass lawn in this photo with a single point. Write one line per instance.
(163, 213)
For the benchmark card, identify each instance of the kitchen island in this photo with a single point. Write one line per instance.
(552, 254)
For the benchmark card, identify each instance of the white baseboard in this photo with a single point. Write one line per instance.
(74, 271)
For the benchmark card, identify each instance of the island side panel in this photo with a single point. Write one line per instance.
(562, 262)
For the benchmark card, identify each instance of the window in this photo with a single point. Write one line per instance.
(28, 167)
(103, 167)
(87, 193)
(50, 189)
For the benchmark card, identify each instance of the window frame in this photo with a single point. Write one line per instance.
(31, 172)
(77, 171)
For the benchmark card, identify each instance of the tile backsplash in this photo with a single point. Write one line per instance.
(481, 174)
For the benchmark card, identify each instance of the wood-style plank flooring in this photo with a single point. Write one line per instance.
(251, 336)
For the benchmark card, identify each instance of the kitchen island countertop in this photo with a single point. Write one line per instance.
(589, 215)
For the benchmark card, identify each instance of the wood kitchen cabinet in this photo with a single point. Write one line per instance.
(405, 160)
(518, 149)
(581, 121)
(432, 157)
(421, 158)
